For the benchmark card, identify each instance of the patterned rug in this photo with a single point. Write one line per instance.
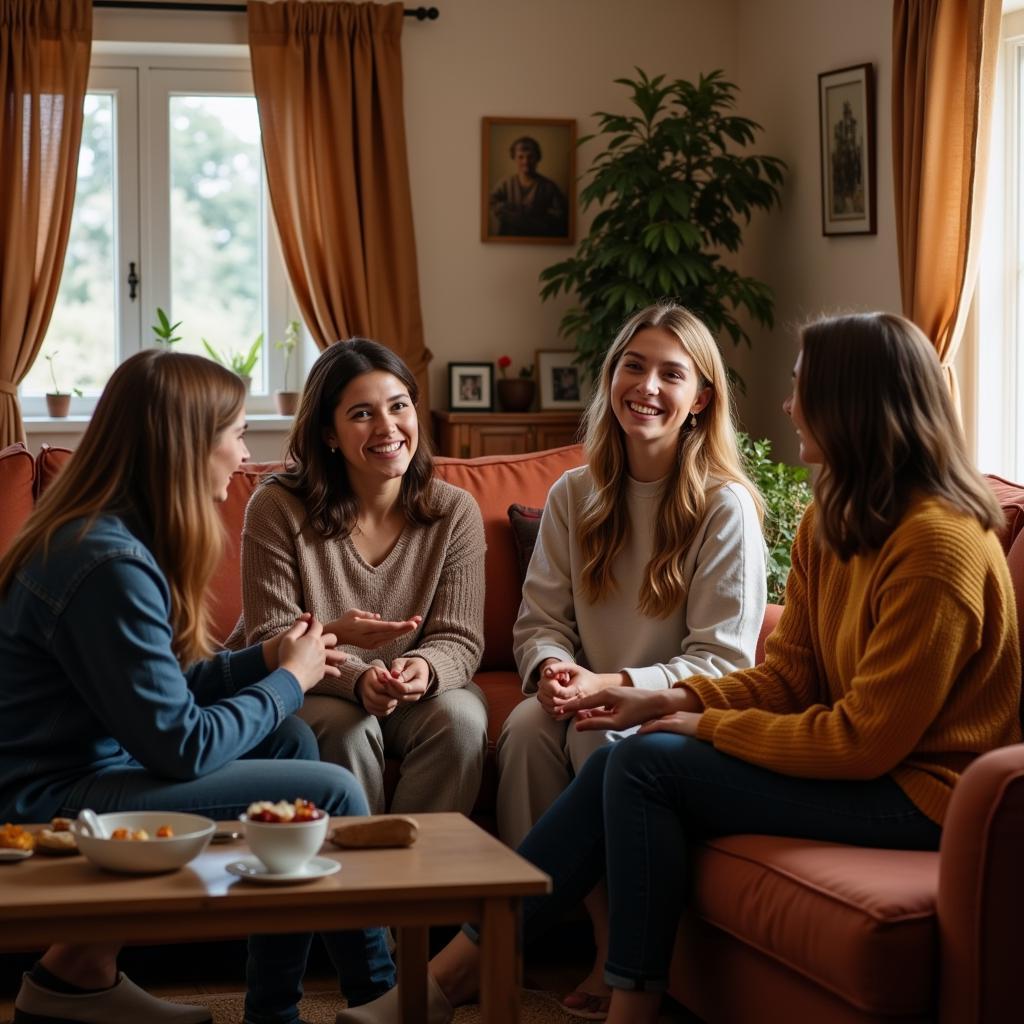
(321, 1007)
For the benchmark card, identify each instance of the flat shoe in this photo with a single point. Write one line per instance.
(586, 1005)
(386, 1008)
(125, 1003)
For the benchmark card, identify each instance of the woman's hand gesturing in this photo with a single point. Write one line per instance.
(308, 652)
(368, 630)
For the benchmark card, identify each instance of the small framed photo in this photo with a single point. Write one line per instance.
(471, 387)
(846, 109)
(528, 193)
(562, 384)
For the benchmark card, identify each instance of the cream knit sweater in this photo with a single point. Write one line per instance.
(436, 571)
(714, 630)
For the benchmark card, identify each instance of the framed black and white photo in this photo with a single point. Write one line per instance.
(470, 387)
(562, 383)
(846, 114)
(528, 193)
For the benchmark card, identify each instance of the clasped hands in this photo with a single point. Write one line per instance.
(380, 688)
(601, 700)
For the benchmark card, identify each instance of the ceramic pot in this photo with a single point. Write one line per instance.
(516, 394)
(287, 402)
(58, 406)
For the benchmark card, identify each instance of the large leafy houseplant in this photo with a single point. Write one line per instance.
(786, 491)
(673, 188)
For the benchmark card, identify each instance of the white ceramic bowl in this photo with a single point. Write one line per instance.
(192, 833)
(285, 846)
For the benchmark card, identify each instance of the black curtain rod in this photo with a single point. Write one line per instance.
(419, 13)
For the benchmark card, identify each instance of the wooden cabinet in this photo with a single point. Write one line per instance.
(468, 435)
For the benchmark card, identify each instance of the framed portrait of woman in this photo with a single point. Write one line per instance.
(528, 190)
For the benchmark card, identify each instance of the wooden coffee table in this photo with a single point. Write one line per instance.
(454, 872)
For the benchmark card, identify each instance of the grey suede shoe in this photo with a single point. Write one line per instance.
(386, 1009)
(125, 1003)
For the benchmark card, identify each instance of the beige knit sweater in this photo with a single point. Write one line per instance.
(436, 571)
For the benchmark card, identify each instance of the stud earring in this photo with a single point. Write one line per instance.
(693, 420)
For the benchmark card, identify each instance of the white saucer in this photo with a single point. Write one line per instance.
(8, 854)
(253, 870)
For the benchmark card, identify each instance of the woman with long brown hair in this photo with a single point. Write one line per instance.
(358, 521)
(649, 567)
(111, 696)
(895, 664)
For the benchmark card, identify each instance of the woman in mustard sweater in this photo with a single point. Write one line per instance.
(895, 663)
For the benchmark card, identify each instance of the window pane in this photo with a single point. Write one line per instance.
(217, 225)
(82, 336)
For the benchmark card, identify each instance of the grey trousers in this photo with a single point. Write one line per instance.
(537, 758)
(441, 743)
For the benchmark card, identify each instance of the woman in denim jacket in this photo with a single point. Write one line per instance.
(110, 699)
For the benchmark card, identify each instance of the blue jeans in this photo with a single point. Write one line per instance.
(636, 805)
(279, 768)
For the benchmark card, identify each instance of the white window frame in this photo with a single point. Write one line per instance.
(999, 367)
(142, 84)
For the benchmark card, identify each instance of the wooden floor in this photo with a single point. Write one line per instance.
(555, 966)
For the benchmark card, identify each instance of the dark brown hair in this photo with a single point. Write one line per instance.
(146, 454)
(319, 478)
(875, 399)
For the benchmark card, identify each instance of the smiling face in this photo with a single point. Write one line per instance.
(375, 427)
(810, 452)
(654, 390)
(229, 452)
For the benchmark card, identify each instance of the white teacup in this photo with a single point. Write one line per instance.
(285, 847)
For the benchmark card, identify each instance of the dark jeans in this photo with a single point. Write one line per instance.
(633, 810)
(279, 768)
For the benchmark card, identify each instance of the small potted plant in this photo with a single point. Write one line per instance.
(287, 401)
(58, 403)
(515, 394)
(163, 330)
(241, 363)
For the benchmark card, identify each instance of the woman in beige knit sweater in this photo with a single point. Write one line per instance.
(895, 664)
(358, 521)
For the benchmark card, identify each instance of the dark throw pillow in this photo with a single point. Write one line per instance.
(525, 523)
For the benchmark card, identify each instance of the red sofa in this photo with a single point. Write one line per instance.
(780, 930)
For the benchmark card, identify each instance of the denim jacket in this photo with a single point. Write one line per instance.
(89, 680)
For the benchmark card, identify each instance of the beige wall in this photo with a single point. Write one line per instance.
(535, 58)
(782, 47)
(558, 58)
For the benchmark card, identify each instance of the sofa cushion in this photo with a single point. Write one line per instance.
(17, 475)
(525, 523)
(226, 586)
(1011, 500)
(859, 922)
(49, 462)
(495, 481)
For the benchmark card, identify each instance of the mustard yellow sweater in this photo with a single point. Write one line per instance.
(904, 662)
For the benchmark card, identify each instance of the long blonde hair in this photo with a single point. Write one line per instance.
(146, 454)
(708, 457)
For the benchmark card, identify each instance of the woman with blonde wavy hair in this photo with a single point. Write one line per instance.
(649, 567)
(111, 696)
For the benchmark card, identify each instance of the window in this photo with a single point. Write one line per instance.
(1000, 299)
(171, 195)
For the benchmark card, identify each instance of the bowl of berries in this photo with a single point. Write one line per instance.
(142, 842)
(285, 836)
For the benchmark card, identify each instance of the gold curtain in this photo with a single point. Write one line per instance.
(44, 67)
(944, 67)
(328, 83)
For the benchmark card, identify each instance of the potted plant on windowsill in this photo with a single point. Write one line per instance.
(58, 403)
(287, 401)
(241, 363)
(515, 394)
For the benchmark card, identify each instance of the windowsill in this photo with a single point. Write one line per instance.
(258, 422)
